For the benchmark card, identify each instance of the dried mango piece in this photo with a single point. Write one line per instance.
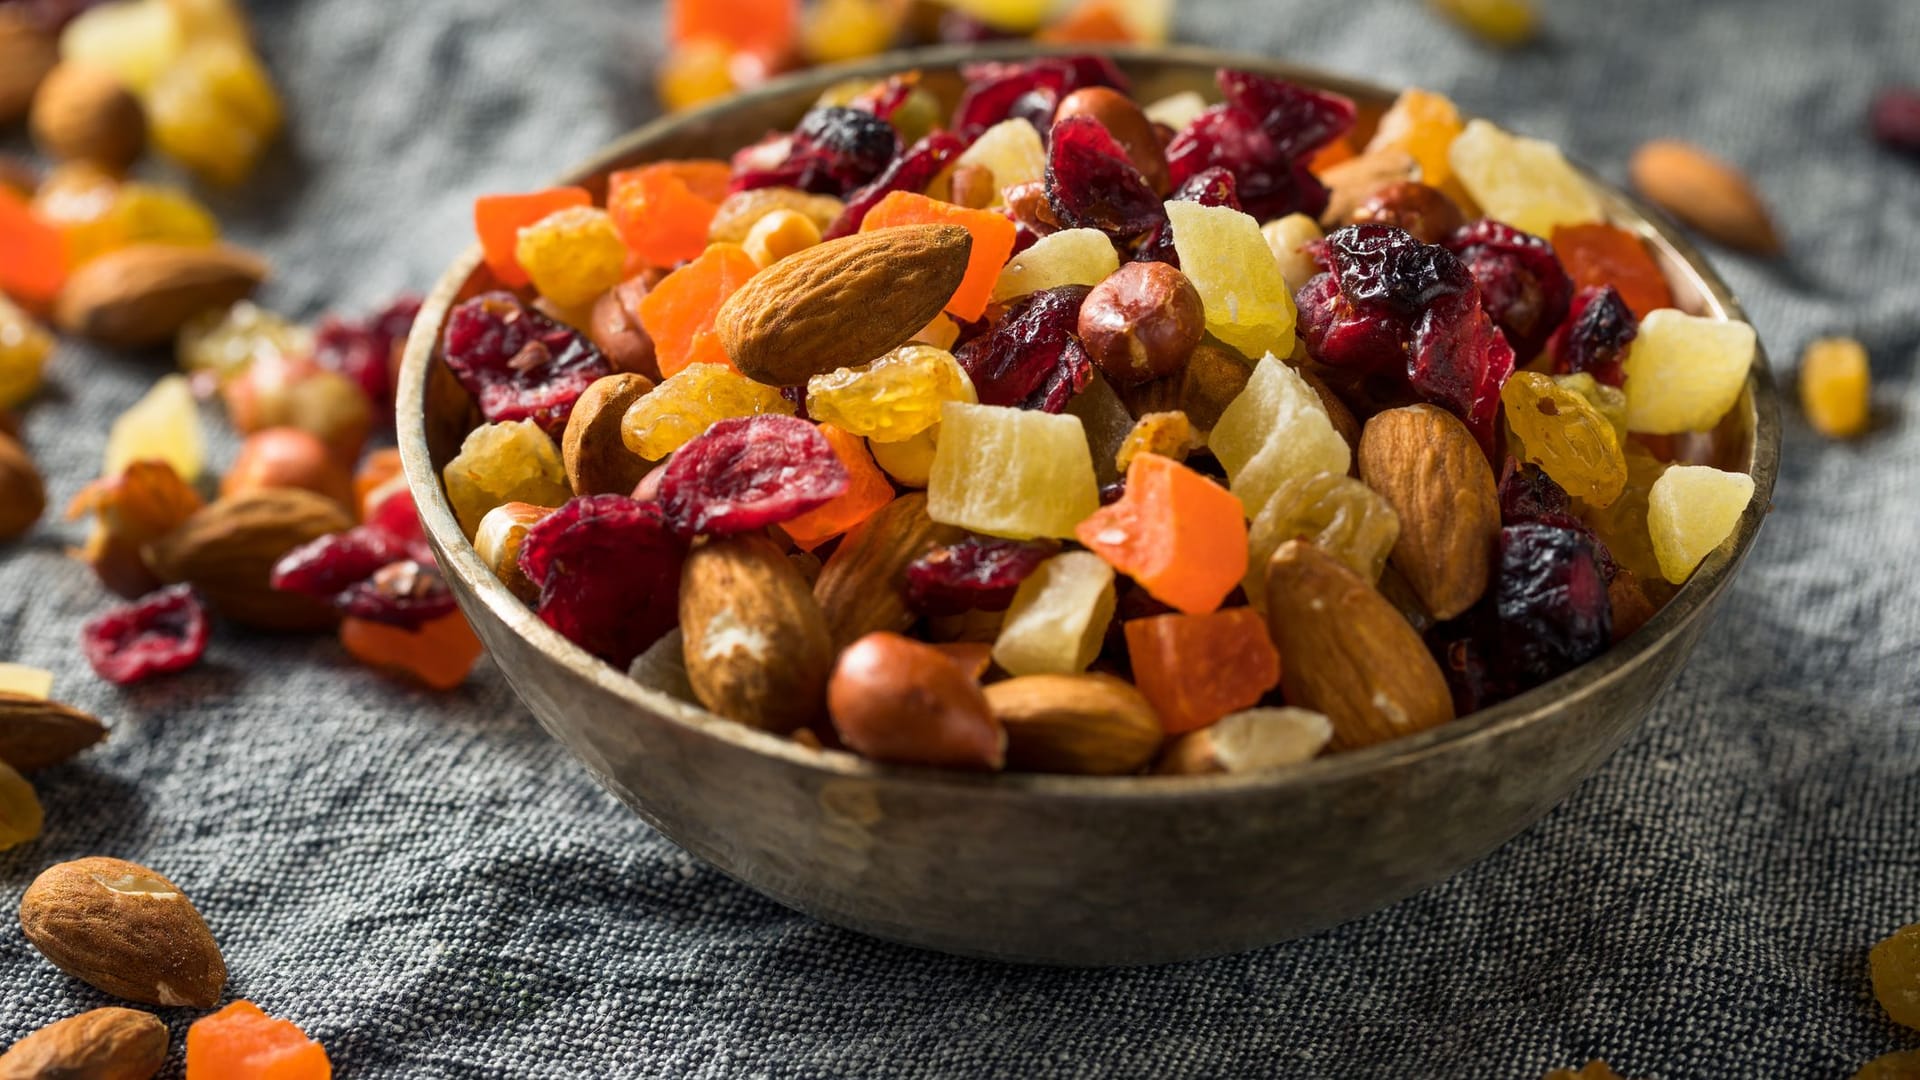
(498, 219)
(678, 314)
(1196, 669)
(1181, 536)
(663, 210)
(993, 236)
(867, 491)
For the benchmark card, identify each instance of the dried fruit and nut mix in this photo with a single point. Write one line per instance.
(1065, 432)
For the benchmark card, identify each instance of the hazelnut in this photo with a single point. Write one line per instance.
(973, 186)
(614, 331)
(1128, 125)
(1420, 209)
(287, 457)
(894, 699)
(27, 53)
(1142, 322)
(84, 113)
(1029, 206)
(23, 495)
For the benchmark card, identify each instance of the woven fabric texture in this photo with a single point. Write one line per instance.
(430, 886)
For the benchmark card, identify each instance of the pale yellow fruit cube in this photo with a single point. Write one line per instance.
(1068, 257)
(27, 681)
(1684, 371)
(1177, 110)
(1288, 237)
(1012, 151)
(1059, 616)
(1690, 512)
(163, 426)
(1276, 430)
(1247, 302)
(136, 40)
(1017, 473)
(1526, 183)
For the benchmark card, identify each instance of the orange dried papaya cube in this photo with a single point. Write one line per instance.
(1335, 152)
(1181, 536)
(767, 28)
(34, 263)
(242, 1043)
(663, 210)
(440, 654)
(867, 491)
(498, 220)
(1195, 669)
(993, 234)
(1600, 254)
(678, 314)
(1093, 22)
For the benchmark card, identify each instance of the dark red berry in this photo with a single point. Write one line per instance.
(1548, 602)
(1031, 357)
(748, 472)
(1527, 493)
(913, 170)
(884, 98)
(1029, 90)
(1299, 119)
(1896, 119)
(1460, 362)
(366, 350)
(161, 632)
(404, 593)
(1522, 284)
(397, 516)
(1092, 184)
(517, 363)
(1594, 338)
(608, 571)
(834, 150)
(1476, 680)
(978, 573)
(328, 566)
(1364, 313)
(1263, 134)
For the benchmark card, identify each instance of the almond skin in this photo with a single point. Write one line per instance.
(38, 734)
(1094, 725)
(1348, 653)
(860, 586)
(27, 54)
(842, 302)
(596, 457)
(1706, 193)
(228, 549)
(142, 295)
(124, 930)
(102, 1044)
(755, 641)
(23, 494)
(1428, 466)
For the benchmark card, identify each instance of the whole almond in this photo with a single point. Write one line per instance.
(27, 53)
(1095, 725)
(1705, 193)
(23, 495)
(142, 295)
(1352, 182)
(1349, 654)
(85, 113)
(228, 549)
(754, 639)
(842, 302)
(36, 733)
(124, 930)
(596, 457)
(102, 1044)
(1428, 466)
(860, 586)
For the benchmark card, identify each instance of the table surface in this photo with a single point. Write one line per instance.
(431, 887)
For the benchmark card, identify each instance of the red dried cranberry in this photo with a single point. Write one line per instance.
(1527, 493)
(1299, 119)
(978, 573)
(913, 170)
(364, 350)
(1460, 362)
(749, 472)
(834, 150)
(1031, 357)
(1549, 602)
(1522, 284)
(1476, 681)
(1263, 134)
(1364, 312)
(1209, 187)
(609, 574)
(884, 98)
(404, 593)
(397, 516)
(1896, 118)
(326, 567)
(1594, 338)
(1029, 90)
(517, 363)
(1092, 184)
(161, 632)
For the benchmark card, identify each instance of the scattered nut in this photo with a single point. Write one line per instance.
(1288, 237)
(27, 54)
(23, 495)
(101, 1044)
(1705, 193)
(227, 550)
(85, 113)
(36, 733)
(973, 186)
(124, 930)
(287, 457)
(1029, 206)
(143, 294)
(1142, 322)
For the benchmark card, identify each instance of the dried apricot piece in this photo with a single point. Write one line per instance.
(36, 262)
(1896, 975)
(767, 28)
(1196, 669)
(663, 210)
(240, 1042)
(1597, 254)
(439, 653)
(993, 236)
(868, 489)
(1181, 536)
(498, 220)
(678, 314)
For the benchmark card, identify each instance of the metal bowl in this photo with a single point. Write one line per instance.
(1065, 869)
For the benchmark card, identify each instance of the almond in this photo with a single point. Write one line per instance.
(36, 733)
(27, 53)
(1428, 466)
(124, 930)
(1349, 654)
(596, 457)
(85, 113)
(755, 641)
(1353, 181)
(142, 295)
(102, 1044)
(860, 586)
(842, 302)
(23, 495)
(228, 549)
(1095, 725)
(1705, 193)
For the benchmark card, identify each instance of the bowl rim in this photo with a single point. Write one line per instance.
(1690, 602)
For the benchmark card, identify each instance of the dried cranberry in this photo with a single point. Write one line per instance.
(1460, 362)
(363, 349)
(1028, 90)
(1548, 601)
(517, 363)
(913, 170)
(1527, 493)
(1364, 312)
(1476, 680)
(1299, 119)
(1031, 357)
(1522, 284)
(884, 98)
(749, 472)
(1896, 119)
(978, 573)
(161, 632)
(397, 516)
(328, 566)
(609, 574)
(1594, 338)
(1263, 134)
(834, 150)
(1092, 184)
(1209, 187)
(404, 593)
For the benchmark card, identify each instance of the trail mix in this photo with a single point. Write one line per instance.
(1078, 435)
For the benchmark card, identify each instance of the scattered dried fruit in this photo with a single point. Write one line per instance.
(1836, 387)
(242, 1043)
(164, 632)
(228, 549)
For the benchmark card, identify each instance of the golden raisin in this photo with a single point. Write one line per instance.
(1896, 975)
(1836, 387)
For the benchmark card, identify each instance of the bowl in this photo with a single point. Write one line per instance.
(1067, 869)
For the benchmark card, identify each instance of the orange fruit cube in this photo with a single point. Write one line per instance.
(35, 264)
(663, 210)
(767, 28)
(993, 235)
(1181, 536)
(375, 472)
(1335, 152)
(440, 653)
(868, 489)
(1601, 254)
(1093, 22)
(678, 314)
(242, 1043)
(1196, 669)
(498, 220)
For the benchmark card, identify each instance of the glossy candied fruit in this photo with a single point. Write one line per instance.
(24, 348)
(748, 472)
(1015, 473)
(1176, 533)
(1622, 525)
(1336, 513)
(689, 402)
(893, 398)
(501, 463)
(1524, 182)
(36, 262)
(242, 1043)
(163, 632)
(1276, 430)
(1595, 336)
(517, 363)
(768, 28)
(1424, 124)
(162, 426)
(1523, 288)
(1836, 386)
(1567, 436)
(1068, 257)
(1058, 617)
(608, 571)
(1691, 511)
(1197, 668)
(327, 566)
(214, 110)
(1598, 254)
(977, 573)
(498, 219)
(663, 211)
(573, 255)
(439, 653)
(1228, 261)
(1684, 372)
(678, 313)
(839, 30)
(867, 491)
(1895, 964)
(992, 242)
(1031, 357)
(1169, 434)
(910, 461)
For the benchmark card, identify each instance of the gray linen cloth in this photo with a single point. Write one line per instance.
(434, 889)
